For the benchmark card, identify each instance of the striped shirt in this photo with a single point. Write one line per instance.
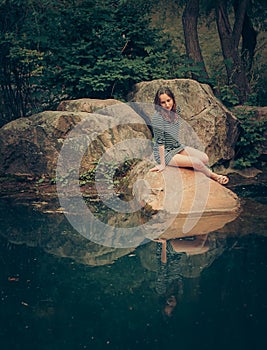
(166, 133)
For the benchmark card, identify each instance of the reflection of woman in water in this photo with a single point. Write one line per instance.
(170, 279)
(167, 149)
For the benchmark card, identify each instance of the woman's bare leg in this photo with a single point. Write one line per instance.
(198, 246)
(192, 152)
(192, 158)
(183, 161)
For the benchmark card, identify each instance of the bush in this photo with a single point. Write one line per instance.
(251, 138)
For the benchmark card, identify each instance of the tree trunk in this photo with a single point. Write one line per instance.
(230, 39)
(193, 51)
(249, 40)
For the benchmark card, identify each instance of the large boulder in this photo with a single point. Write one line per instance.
(89, 105)
(215, 125)
(32, 145)
(182, 202)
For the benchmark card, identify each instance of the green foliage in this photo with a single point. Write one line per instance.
(251, 139)
(54, 50)
(258, 77)
(112, 172)
(63, 49)
(228, 94)
(117, 51)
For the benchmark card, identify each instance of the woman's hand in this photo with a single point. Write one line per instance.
(158, 168)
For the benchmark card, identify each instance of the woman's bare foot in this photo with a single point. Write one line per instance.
(221, 179)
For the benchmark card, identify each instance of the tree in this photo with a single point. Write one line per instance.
(230, 39)
(238, 41)
(53, 50)
(21, 60)
(193, 51)
(249, 40)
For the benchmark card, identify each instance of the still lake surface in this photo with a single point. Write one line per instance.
(51, 302)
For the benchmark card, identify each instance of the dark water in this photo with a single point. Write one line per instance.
(50, 302)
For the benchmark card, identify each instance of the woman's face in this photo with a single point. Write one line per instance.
(166, 102)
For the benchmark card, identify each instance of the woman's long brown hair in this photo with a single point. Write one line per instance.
(172, 115)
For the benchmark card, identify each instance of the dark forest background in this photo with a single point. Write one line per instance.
(52, 50)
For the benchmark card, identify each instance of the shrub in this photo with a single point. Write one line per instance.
(251, 138)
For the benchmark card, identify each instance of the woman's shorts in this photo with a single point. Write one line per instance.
(168, 153)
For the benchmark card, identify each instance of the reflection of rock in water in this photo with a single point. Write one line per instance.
(190, 266)
(21, 224)
(99, 231)
(252, 220)
(55, 235)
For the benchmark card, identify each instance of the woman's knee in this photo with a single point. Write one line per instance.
(197, 164)
(194, 153)
(205, 158)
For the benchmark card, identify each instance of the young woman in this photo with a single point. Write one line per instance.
(167, 148)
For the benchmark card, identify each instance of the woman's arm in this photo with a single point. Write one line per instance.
(158, 129)
(162, 164)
